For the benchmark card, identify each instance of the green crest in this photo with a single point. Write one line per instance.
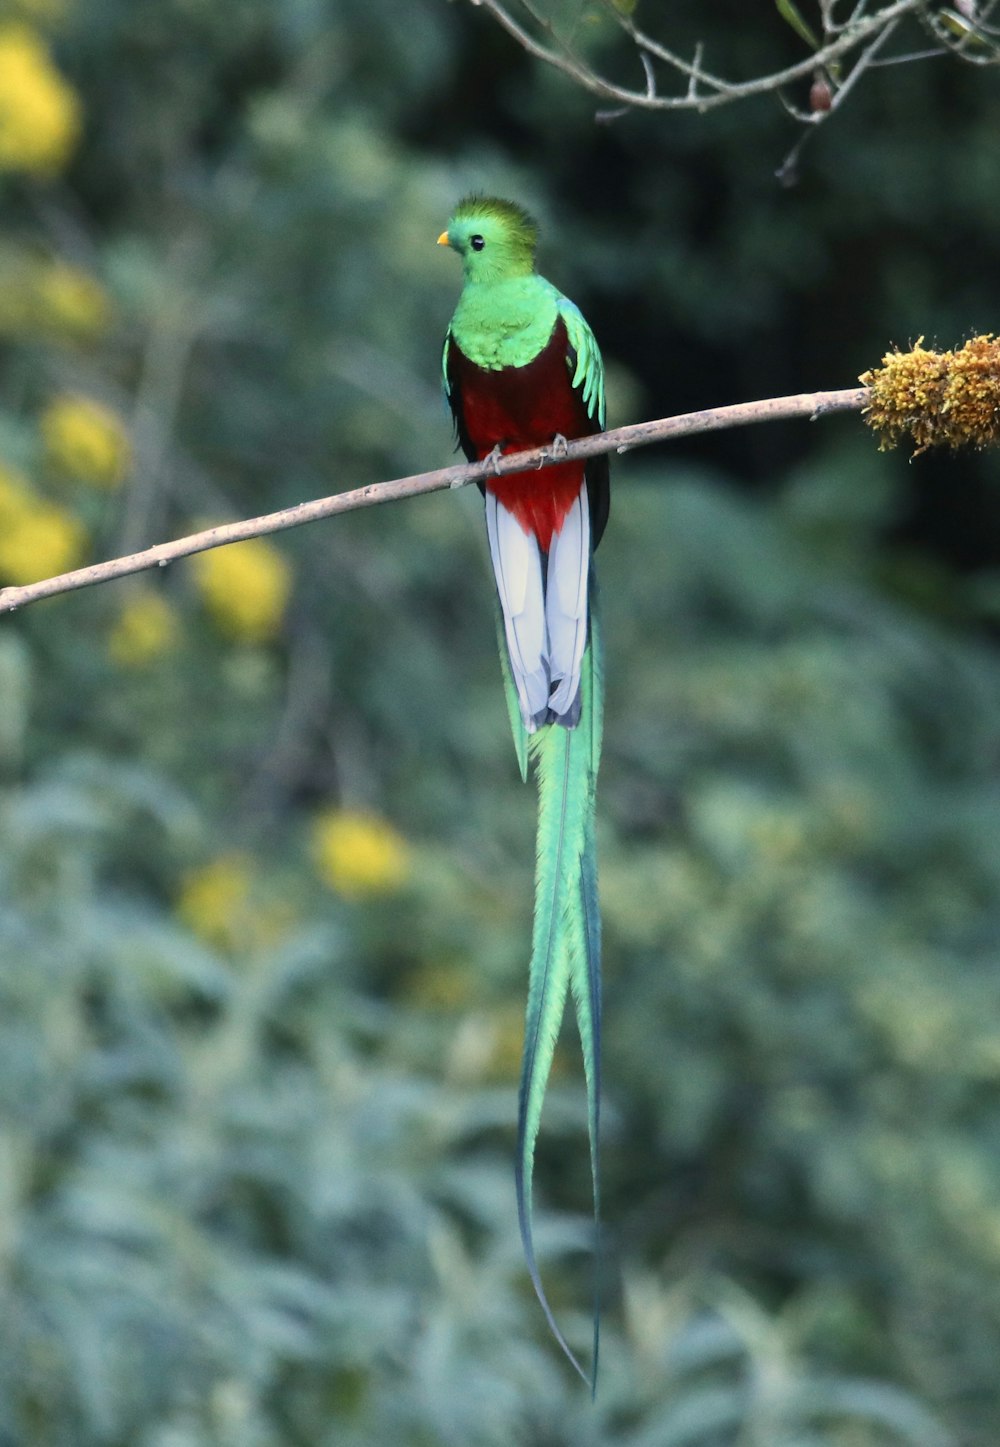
(496, 239)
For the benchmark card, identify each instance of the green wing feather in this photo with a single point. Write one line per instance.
(588, 373)
(565, 955)
(446, 380)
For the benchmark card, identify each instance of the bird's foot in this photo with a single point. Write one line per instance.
(492, 460)
(559, 447)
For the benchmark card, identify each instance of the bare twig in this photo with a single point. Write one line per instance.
(867, 59)
(844, 50)
(620, 439)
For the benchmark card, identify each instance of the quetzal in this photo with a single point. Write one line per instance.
(522, 369)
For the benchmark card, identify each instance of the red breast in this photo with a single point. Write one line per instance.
(521, 407)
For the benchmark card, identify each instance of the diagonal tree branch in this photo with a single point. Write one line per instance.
(620, 439)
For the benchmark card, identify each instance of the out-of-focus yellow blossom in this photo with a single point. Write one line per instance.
(85, 440)
(52, 297)
(46, 541)
(39, 112)
(17, 303)
(41, 12)
(69, 302)
(441, 986)
(498, 1038)
(487, 1045)
(245, 588)
(220, 903)
(359, 855)
(214, 901)
(16, 496)
(147, 627)
(507, 1045)
(37, 539)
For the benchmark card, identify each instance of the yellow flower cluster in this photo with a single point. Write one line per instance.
(441, 985)
(507, 1046)
(942, 399)
(358, 854)
(85, 440)
(37, 539)
(51, 297)
(147, 627)
(245, 588)
(214, 900)
(39, 112)
(70, 301)
(222, 903)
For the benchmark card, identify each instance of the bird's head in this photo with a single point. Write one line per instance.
(495, 239)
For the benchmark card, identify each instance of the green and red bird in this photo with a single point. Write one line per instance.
(522, 370)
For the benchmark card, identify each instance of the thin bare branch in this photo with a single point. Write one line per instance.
(866, 59)
(863, 33)
(620, 439)
(695, 74)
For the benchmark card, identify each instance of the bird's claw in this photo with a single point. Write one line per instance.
(559, 447)
(492, 460)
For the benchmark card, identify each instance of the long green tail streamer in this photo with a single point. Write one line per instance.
(566, 940)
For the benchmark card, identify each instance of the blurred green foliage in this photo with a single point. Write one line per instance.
(265, 865)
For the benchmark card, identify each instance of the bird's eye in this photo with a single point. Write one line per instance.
(477, 242)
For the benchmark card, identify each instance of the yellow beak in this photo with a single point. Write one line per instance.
(443, 239)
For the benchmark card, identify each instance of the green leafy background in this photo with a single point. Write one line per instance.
(255, 1165)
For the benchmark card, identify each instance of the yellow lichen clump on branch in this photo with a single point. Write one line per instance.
(941, 399)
